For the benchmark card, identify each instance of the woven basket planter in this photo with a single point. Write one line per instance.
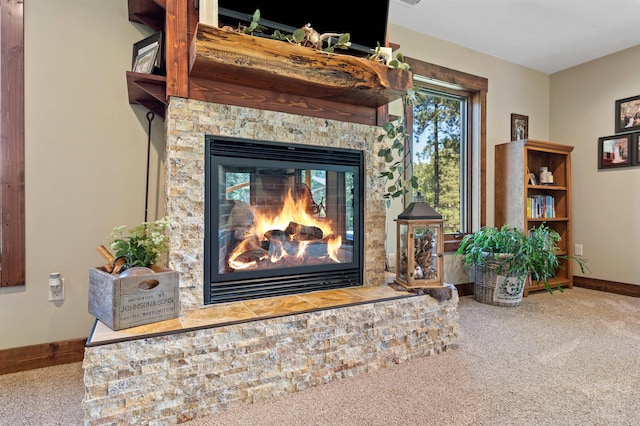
(497, 289)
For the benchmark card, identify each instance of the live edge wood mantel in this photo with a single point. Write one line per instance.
(263, 63)
(215, 65)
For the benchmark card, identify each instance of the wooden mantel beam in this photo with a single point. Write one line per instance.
(263, 63)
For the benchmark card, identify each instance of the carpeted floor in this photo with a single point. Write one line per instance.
(570, 358)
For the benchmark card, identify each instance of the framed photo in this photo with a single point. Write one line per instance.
(519, 127)
(628, 114)
(635, 149)
(614, 151)
(147, 54)
(532, 179)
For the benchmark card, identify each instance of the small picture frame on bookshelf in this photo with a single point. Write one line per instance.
(614, 151)
(532, 179)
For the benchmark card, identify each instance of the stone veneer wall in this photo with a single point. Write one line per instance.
(188, 121)
(175, 378)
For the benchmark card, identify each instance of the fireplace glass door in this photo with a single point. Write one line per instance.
(282, 219)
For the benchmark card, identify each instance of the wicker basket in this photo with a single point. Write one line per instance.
(495, 289)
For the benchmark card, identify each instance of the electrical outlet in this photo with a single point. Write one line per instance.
(577, 249)
(56, 294)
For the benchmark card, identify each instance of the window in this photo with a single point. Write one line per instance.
(439, 155)
(12, 234)
(448, 146)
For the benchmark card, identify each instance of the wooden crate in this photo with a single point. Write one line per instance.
(130, 301)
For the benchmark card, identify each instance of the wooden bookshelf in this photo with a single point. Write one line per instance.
(514, 161)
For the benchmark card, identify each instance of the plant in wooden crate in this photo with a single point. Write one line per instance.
(142, 245)
(132, 289)
(505, 258)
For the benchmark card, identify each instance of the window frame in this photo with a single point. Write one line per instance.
(12, 131)
(476, 88)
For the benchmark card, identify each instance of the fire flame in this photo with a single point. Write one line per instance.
(293, 211)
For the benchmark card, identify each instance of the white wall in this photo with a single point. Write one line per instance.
(85, 153)
(512, 89)
(606, 206)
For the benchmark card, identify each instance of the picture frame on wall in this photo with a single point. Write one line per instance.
(147, 55)
(628, 114)
(519, 127)
(635, 149)
(614, 151)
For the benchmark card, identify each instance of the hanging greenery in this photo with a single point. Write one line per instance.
(397, 151)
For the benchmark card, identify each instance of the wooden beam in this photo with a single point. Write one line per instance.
(230, 94)
(12, 143)
(275, 65)
(177, 49)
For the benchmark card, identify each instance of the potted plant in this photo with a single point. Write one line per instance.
(141, 246)
(133, 289)
(505, 258)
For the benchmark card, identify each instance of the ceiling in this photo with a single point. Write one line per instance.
(545, 35)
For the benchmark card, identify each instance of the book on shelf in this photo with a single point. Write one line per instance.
(541, 206)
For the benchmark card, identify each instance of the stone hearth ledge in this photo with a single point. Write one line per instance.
(251, 310)
(199, 368)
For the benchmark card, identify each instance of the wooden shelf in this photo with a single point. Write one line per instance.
(275, 65)
(148, 90)
(548, 187)
(148, 12)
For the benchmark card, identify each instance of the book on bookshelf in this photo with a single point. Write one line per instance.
(541, 206)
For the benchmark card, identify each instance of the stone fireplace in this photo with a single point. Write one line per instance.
(189, 122)
(217, 357)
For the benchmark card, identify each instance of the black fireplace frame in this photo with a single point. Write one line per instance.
(247, 285)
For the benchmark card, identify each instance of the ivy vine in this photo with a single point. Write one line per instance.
(397, 140)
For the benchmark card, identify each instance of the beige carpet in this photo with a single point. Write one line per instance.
(570, 358)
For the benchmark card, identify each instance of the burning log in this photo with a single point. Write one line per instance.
(316, 249)
(303, 233)
(276, 235)
(254, 255)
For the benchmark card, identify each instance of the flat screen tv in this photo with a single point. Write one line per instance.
(366, 22)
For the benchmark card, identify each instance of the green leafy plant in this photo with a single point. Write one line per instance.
(515, 252)
(142, 245)
(254, 26)
(308, 37)
(343, 43)
(396, 137)
(305, 36)
(399, 62)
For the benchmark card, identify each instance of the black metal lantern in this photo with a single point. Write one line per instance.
(420, 246)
